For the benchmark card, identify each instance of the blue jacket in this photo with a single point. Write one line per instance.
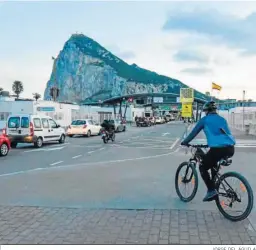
(214, 127)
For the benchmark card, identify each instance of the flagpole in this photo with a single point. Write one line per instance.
(211, 93)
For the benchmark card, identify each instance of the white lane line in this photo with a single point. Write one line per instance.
(175, 143)
(90, 152)
(164, 134)
(53, 149)
(34, 150)
(56, 163)
(77, 156)
(43, 149)
(89, 164)
(146, 147)
(101, 149)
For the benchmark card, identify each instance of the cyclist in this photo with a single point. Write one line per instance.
(220, 141)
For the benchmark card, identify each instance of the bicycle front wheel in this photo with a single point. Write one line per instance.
(235, 200)
(186, 179)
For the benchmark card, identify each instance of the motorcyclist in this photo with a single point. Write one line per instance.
(220, 141)
(109, 127)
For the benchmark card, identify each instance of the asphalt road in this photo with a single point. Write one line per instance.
(135, 172)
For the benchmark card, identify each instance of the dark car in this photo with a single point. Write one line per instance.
(143, 122)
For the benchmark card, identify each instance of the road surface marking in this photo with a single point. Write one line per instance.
(174, 144)
(164, 134)
(89, 163)
(34, 150)
(43, 149)
(53, 149)
(90, 152)
(56, 163)
(142, 147)
(77, 156)
(101, 149)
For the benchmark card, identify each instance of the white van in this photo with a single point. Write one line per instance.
(37, 129)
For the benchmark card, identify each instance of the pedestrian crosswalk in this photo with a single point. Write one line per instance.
(239, 143)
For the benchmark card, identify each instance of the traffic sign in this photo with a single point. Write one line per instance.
(187, 110)
(186, 95)
(130, 99)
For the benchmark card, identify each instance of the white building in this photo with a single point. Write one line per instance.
(61, 112)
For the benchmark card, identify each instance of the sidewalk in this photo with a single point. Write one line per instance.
(38, 225)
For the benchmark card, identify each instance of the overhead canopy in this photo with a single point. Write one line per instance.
(117, 99)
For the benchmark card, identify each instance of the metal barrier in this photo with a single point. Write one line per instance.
(245, 122)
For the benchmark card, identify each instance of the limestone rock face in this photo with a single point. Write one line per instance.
(84, 71)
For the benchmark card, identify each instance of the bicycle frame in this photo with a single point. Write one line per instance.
(196, 159)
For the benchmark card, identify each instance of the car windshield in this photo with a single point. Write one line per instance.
(78, 122)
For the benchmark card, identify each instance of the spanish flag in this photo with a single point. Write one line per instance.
(216, 86)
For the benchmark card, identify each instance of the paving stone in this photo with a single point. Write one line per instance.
(163, 242)
(174, 240)
(194, 239)
(21, 225)
(184, 235)
(184, 242)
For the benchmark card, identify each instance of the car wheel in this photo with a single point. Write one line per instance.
(14, 144)
(70, 136)
(39, 142)
(4, 149)
(89, 133)
(62, 139)
(124, 129)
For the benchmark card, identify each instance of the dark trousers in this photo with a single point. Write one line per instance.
(210, 160)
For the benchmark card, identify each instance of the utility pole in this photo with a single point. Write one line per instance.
(243, 106)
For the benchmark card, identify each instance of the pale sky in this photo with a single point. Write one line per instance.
(194, 42)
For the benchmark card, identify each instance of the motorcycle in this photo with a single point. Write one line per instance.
(106, 136)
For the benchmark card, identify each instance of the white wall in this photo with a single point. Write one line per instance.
(61, 113)
(14, 107)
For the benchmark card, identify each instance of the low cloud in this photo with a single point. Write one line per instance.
(126, 55)
(221, 28)
(190, 56)
(197, 71)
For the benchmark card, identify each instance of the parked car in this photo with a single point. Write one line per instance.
(85, 127)
(143, 122)
(120, 126)
(160, 120)
(170, 117)
(5, 145)
(36, 129)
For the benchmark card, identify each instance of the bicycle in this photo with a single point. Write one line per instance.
(222, 186)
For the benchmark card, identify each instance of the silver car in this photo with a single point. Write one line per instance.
(119, 125)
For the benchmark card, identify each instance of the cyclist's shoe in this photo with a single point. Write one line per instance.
(211, 195)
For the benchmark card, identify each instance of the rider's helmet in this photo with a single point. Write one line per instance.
(209, 107)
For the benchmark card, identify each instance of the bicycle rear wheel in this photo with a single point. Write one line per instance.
(186, 174)
(233, 198)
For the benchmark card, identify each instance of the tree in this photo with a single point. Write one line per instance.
(17, 88)
(36, 96)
